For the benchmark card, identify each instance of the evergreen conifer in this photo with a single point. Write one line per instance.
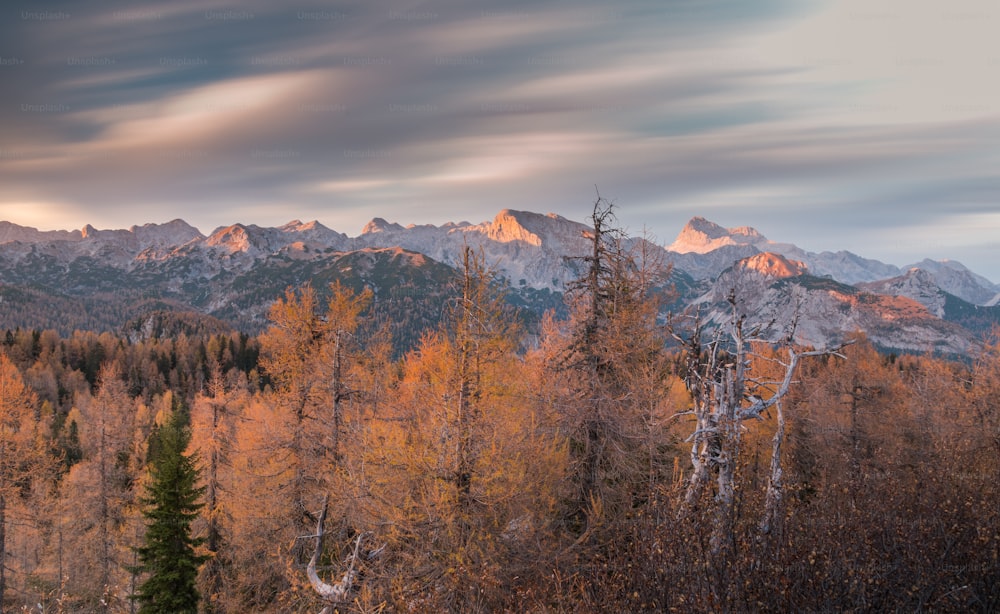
(172, 503)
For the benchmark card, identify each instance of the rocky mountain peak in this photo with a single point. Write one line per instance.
(509, 225)
(535, 252)
(235, 238)
(773, 265)
(380, 225)
(916, 284)
(10, 232)
(173, 233)
(701, 236)
(955, 278)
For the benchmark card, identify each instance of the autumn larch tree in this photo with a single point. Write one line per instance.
(98, 519)
(214, 415)
(22, 453)
(611, 341)
(450, 458)
(309, 355)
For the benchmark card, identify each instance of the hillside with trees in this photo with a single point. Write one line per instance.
(611, 460)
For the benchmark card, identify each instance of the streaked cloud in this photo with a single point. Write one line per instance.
(826, 123)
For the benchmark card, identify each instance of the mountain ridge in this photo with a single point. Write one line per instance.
(235, 271)
(698, 236)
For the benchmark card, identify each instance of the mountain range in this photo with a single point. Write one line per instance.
(112, 279)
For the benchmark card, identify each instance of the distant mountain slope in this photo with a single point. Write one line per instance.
(826, 311)
(705, 249)
(701, 236)
(923, 287)
(708, 248)
(953, 277)
(106, 279)
(529, 248)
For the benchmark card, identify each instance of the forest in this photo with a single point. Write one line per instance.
(614, 460)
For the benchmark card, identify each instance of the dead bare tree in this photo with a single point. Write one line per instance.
(717, 376)
(775, 486)
(337, 593)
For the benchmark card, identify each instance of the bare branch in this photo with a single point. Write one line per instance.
(334, 593)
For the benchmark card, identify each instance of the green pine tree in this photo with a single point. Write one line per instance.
(172, 503)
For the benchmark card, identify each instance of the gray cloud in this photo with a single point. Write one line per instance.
(116, 113)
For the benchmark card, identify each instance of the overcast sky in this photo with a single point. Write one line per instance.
(868, 125)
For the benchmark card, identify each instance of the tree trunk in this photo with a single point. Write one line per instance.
(718, 383)
(856, 392)
(333, 593)
(212, 541)
(339, 392)
(775, 487)
(103, 511)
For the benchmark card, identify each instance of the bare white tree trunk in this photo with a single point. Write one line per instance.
(775, 487)
(333, 593)
(718, 384)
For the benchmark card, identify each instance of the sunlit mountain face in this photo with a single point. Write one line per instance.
(106, 279)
